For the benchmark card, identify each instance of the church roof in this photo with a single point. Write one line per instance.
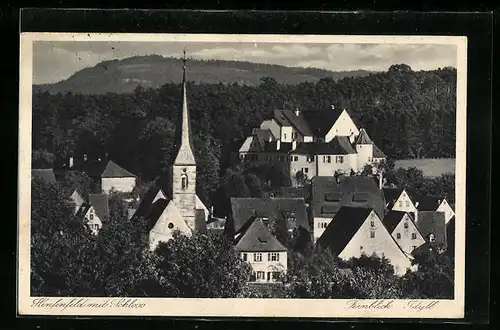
(258, 238)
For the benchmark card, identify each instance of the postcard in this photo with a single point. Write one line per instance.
(218, 175)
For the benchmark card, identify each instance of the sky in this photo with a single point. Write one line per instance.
(57, 60)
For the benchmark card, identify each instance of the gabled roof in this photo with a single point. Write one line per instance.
(46, 175)
(145, 205)
(263, 135)
(244, 209)
(83, 210)
(100, 204)
(257, 238)
(339, 145)
(391, 194)
(328, 196)
(290, 118)
(392, 219)
(432, 222)
(377, 153)
(321, 121)
(342, 228)
(114, 170)
(363, 137)
(428, 203)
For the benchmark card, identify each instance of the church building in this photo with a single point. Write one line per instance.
(173, 204)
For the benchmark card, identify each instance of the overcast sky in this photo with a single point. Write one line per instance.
(57, 60)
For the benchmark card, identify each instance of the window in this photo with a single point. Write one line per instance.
(184, 180)
(406, 225)
(275, 275)
(339, 159)
(432, 238)
(306, 170)
(328, 159)
(273, 256)
(400, 204)
(91, 217)
(407, 203)
(372, 223)
(296, 158)
(398, 236)
(310, 159)
(284, 136)
(170, 225)
(269, 158)
(372, 234)
(257, 257)
(413, 236)
(244, 256)
(261, 275)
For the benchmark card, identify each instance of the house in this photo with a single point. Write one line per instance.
(398, 199)
(328, 195)
(94, 212)
(356, 231)
(289, 214)
(115, 177)
(433, 203)
(77, 200)
(404, 231)
(257, 246)
(171, 202)
(46, 175)
(310, 143)
(432, 226)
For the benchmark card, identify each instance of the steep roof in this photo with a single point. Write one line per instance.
(377, 153)
(244, 209)
(46, 175)
(432, 222)
(428, 203)
(263, 135)
(391, 194)
(328, 196)
(342, 228)
(100, 204)
(285, 147)
(321, 121)
(114, 170)
(290, 118)
(392, 219)
(339, 145)
(257, 238)
(363, 137)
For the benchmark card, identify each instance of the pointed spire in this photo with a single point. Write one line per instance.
(185, 155)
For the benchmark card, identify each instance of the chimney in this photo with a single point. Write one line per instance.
(278, 144)
(270, 139)
(71, 162)
(380, 181)
(294, 144)
(333, 107)
(297, 112)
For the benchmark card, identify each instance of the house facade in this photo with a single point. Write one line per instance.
(312, 143)
(359, 231)
(404, 231)
(94, 212)
(115, 177)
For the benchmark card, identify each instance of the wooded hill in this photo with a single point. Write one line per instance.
(408, 114)
(123, 76)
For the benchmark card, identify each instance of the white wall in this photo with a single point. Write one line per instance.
(286, 133)
(344, 126)
(404, 203)
(93, 221)
(406, 242)
(308, 139)
(320, 225)
(365, 155)
(170, 217)
(273, 126)
(446, 208)
(381, 244)
(118, 184)
(328, 169)
(265, 265)
(299, 163)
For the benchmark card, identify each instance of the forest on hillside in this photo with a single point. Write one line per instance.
(408, 114)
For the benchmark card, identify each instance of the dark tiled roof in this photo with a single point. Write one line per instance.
(244, 209)
(377, 153)
(157, 209)
(101, 205)
(113, 170)
(293, 192)
(263, 135)
(199, 217)
(392, 219)
(257, 238)
(342, 228)
(328, 196)
(46, 175)
(428, 203)
(321, 121)
(391, 194)
(431, 222)
(298, 122)
(145, 204)
(82, 210)
(363, 138)
(339, 145)
(285, 147)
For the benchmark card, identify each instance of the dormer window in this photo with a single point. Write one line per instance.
(91, 217)
(432, 238)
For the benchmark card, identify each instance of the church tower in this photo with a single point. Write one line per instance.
(183, 172)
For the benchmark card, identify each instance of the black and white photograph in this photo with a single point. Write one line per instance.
(318, 176)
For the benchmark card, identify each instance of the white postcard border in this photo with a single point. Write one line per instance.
(325, 308)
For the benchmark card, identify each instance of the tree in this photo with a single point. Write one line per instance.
(42, 159)
(367, 170)
(201, 266)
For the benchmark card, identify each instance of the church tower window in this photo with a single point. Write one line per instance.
(184, 179)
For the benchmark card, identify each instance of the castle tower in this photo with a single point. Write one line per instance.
(364, 149)
(183, 172)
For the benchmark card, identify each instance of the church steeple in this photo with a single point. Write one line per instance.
(185, 154)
